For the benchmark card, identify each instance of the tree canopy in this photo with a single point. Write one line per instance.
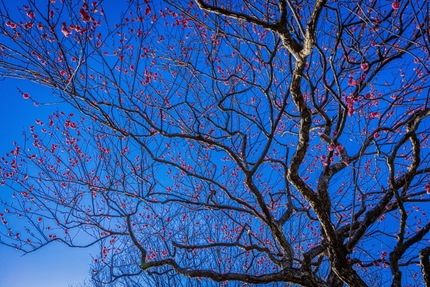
(248, 142)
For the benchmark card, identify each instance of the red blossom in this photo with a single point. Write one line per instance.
(31, 15)
(84, 14)
(28, 25)
(65, 30)
(365, 66)
(374, 115)
(11, 25)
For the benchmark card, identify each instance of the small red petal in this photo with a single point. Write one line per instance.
(365, 66)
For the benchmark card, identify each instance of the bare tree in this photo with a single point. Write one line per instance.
(233, 141)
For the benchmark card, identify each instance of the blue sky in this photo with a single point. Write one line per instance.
(54, 265)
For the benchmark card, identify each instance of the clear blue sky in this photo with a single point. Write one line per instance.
(54, 265)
